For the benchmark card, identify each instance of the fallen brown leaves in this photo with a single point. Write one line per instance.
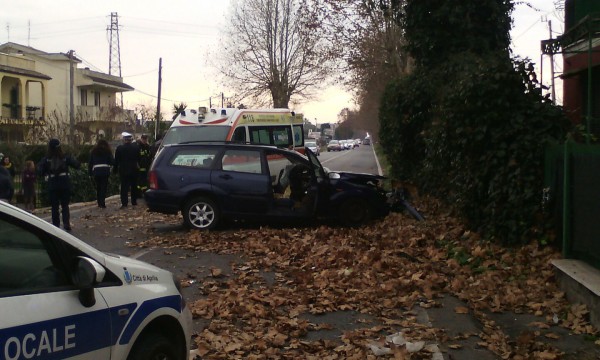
(385, 269)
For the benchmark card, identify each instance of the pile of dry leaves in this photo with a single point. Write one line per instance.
(385, 270)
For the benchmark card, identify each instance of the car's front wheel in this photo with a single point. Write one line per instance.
(354, 212)
(201, 213)
(153, 347)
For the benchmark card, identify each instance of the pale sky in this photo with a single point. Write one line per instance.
(185, 34)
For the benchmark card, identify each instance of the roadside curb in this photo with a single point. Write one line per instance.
(44, 212)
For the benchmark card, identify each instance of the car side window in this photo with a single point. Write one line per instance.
(198, 158)
(247, 161)
(26, 264)
(279, 169)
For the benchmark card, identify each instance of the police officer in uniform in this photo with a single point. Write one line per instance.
(55, 168)
(127, 157)
(144, 163)
(101, 159)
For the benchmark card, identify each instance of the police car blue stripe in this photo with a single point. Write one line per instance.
(147, 307)
(57, 338)
(118, 321)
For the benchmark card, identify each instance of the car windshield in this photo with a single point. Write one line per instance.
(183, 134)
(311, 144)
(333, 142)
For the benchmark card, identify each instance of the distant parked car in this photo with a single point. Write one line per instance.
(312, 146)
(367, 141)
(334, 145)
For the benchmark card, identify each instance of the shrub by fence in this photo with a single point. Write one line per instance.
(83, 188)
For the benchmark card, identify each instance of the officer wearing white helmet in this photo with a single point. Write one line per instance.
(126, 165)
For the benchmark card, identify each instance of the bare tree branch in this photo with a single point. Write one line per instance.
(269, 56)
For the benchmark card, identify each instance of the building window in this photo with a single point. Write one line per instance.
(83, 97)
(97, 98)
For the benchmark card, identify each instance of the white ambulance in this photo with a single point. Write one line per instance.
(63, 299)
(277, 127)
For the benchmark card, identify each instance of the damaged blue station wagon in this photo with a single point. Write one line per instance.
(212, 182)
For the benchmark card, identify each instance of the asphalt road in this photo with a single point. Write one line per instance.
(118, 231)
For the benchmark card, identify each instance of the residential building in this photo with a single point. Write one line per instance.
(36, 88)
(573, 168)
(580, 47)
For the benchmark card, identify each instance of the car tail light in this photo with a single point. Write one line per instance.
(152, 180)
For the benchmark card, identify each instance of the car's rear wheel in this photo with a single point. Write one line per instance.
(201, 213)
(354, 212)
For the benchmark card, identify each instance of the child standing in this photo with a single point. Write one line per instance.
(29, 178)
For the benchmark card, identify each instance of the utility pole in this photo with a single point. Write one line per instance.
(71, 102)
(552, 66)
(158, 100)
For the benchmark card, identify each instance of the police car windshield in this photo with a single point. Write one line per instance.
(182, 134)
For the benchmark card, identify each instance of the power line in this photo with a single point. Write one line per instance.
(170, 100)
(68, 21)
(140, 74)
(89, 63)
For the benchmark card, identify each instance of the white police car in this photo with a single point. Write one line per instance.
(61, 298)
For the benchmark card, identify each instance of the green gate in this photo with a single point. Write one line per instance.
(572, 195)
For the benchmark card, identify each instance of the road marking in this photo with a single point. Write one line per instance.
(139, 254)
(346, 152)
(377, 161)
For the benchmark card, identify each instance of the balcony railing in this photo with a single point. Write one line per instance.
(103, 113)
(34, 115)
(588, 27)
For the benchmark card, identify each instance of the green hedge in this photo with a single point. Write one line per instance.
(83, 189)
(473, 132)
(82, 184)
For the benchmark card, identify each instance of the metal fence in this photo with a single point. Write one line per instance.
(573, 197)
(82, 185)
(18, 197)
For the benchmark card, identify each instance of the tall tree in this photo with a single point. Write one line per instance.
(366, 39)
(269, 56)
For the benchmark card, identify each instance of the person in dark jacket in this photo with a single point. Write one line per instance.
(126, 165)
(28, 179)
(8, 166)
(55, 168)
(144, 163)
(101, 160)
(154, 148)
(6, 184)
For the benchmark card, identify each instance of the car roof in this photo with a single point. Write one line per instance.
(230, 144)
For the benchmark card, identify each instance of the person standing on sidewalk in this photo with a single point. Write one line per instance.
(8, 166)
(55, 168)
(144, 163)
(101, 160)
(6, 184)
(154, 148)
(28, 180)
(126, 165)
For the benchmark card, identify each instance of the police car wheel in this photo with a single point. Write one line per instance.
(153, 347)
(201, 213)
